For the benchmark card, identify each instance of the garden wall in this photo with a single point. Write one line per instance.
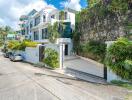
(32, 54)
(110, 74)
(53, 46)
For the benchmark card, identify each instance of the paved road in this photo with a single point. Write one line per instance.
(22, 81)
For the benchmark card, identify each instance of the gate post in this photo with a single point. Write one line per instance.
(61, 58)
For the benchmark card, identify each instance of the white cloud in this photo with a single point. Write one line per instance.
(11, 10)
(74, 4)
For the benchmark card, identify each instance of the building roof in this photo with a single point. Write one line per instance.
(70, 10)
(32, 12)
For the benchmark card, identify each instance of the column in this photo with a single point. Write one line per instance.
(61, 56)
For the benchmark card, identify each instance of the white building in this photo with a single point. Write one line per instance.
(36, 26)
(38, 22)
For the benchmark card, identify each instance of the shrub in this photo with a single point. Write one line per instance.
(119, 58)
(52, 58)
(17, 45)
(94, 50)
(30, 44)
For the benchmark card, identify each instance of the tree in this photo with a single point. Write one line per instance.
(118, 5)
(4, 31)
(62, 15)
(53, 32)
(92, 3)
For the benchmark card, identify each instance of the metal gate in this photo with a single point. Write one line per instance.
(41, 53)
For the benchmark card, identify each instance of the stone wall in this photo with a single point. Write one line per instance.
(107, 27)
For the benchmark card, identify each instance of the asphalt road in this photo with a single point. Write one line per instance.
(22, 81)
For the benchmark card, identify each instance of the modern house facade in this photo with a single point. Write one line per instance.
(36, 25)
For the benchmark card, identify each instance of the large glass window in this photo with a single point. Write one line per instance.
(44, 18)
(31, 25)
(37, 20)
(36, 35)
(44, 33)
(66, 15)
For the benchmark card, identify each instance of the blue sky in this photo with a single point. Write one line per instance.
(56, 3)
(11, 10)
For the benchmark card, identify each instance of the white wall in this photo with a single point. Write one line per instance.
(72, 19)
(65, 41)
(53, 46)
(32, 54)
(112, 76)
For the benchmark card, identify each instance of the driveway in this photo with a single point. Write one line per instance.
(84, 65)
(22, 81)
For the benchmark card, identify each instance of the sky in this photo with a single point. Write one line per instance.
(11, 10)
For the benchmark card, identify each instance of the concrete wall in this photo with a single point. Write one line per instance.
(32, 55)
(55, 47)
(66, 41)
(112, 76)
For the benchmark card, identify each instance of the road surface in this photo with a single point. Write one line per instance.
(22, 81)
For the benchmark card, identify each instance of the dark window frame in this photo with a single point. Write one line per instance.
(36, 35)
(37, 20)
(44, 33)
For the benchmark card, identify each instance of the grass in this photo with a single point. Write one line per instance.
(127, 85)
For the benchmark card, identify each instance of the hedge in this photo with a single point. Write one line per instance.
(119, 58)
(93, 49)
(17, 45)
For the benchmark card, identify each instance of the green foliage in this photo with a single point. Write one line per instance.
(51, 58)
(122, 84)
(30, 43)
(92, 3)
(118, 5)
(93, 49)
(119, 58)
(102, 16)
(53, 32)
(62, 15)
(17, 45)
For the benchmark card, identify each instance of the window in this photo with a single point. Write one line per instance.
(27, 29)
(31, 25)
(44, 18)
(37, 20)
(36, 35)
(53, 16)
(44, 33)
(23, 32)
(66, 15)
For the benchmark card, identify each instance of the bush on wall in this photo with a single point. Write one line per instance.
(52, 58)
(17, 45)
(119, 58)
